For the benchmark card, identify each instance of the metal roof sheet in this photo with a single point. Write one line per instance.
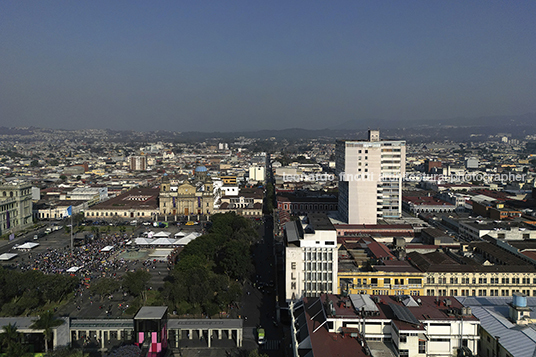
(360, 301)
(518, 340)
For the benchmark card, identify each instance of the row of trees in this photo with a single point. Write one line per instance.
(24, 292)
(208, 277)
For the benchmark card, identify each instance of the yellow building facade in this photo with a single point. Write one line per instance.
(381, 283)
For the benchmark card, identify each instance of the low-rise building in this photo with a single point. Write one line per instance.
(507, 324)
(472, 230)
(247, 202)
(476, 269)
(301, 205)
(15, 207)
(400, 325)
(135, 203)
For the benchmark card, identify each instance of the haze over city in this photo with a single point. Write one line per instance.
(243, 65)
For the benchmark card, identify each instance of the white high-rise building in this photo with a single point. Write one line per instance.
(370, 178)
(310, 257)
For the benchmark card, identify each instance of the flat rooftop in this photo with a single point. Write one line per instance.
(320, 222)
(151, 313)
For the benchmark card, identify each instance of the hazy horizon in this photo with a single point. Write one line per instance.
(239, 66)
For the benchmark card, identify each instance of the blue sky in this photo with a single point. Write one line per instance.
(246, 65)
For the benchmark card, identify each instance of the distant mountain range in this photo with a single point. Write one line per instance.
(528, 119)
(456, 129)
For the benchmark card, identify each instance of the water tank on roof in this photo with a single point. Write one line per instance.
(519, 300)
(201, 169)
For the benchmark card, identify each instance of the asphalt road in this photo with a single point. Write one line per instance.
(259, 299)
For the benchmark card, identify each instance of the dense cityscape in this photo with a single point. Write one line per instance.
(117, 244)
(267, 178)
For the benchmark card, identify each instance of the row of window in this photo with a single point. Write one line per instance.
(317, 287)
(325, 266)
(474, 280)
(477, 292)
(313, 276)
(388, 281)
(301, 206)
(321, 255)
(113, 214)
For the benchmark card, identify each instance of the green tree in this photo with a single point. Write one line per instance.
(136, 283)
(34, 163)
(9, 335)
(234, 259)
(104, 286)
(17, 350)
(46, 322)
(63, 177)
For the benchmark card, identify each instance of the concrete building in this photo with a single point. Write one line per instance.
(474, 230)
(247, 203)
(138, 163)
(15, 207)
(310, 257)
(58, 209)
(101, 335)
(507, 324)
(370, 178)
(257, 173)
(472, 163)
(383, 325)
(92, 195)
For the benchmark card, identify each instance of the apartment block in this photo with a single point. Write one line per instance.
(370, 178)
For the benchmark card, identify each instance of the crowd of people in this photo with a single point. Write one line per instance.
(89, 258)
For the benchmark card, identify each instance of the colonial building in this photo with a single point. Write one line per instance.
(476, 269)
(298, 205)
(58, 209)
(248, 203)
(15, 207)
(181, 196)
(135, 203)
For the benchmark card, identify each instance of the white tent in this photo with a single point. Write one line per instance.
(163, 241)
(190, 237)
(142, 241)
(107, 248)
(28, 245)
(8, 256)
(162, 235)
(73, 269)
(184, 241)
(179, 234)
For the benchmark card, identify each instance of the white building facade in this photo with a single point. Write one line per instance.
(370, 178)
(310, 257)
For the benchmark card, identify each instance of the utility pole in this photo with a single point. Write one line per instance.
(72, 227)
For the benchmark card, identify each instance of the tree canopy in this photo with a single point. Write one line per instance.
(206, 277)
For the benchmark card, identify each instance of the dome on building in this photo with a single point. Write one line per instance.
(201, 169)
